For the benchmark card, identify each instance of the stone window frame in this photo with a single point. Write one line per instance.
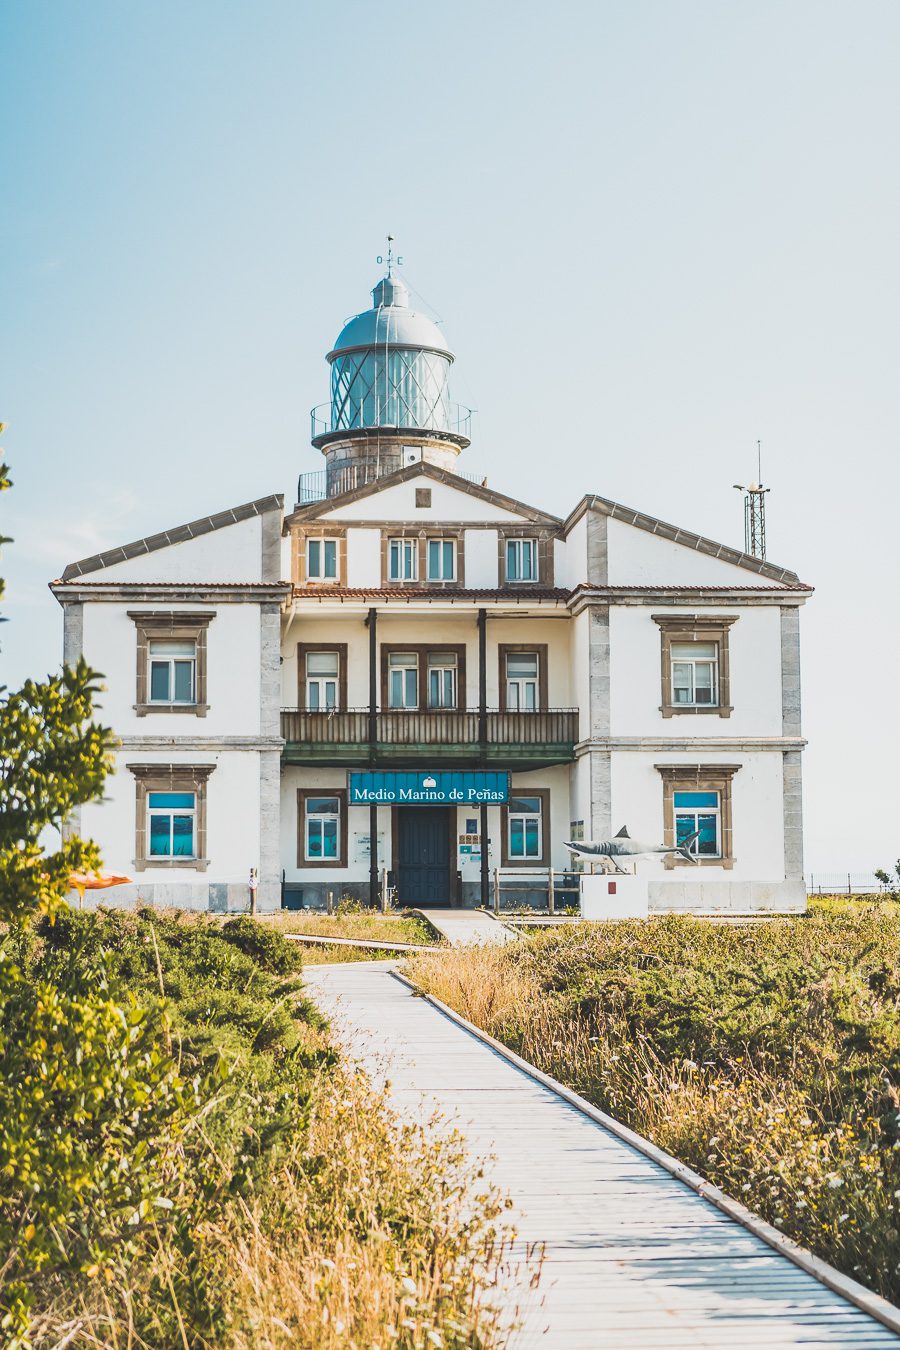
(542, 649)
(303, 650)
(324, 531)
(170, 778)
(343, 832)
(532, 863)
(698, 778)
(422, 652)
(695, 628)
(423, 533)
(168, 625)
(545, 554)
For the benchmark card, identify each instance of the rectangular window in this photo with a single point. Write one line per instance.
(403, 560)
(442, 679)
(403, 680)
(695, 674)
(699, 811)
(521, 560)
(696, 669)
(322, 560)
(441, 559)
(173, 668)
(525, 829)
(522, 681)
(171, 824)
(322, 829)
(322, 674)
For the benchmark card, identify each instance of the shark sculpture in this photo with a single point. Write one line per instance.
(623, 846)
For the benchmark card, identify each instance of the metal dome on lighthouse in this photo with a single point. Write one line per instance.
(390, 402)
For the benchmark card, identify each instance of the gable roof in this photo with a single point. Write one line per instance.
(178, 534)
(422, 470)
(735, 556)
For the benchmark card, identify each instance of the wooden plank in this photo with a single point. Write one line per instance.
(634, 1257)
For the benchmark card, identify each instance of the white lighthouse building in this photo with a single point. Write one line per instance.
(414, 674)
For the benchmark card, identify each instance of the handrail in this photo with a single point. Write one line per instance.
(346, 475)
(431, 726)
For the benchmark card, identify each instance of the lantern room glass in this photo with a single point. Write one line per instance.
(390, 387)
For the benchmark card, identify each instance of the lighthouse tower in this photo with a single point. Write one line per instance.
(390, 403)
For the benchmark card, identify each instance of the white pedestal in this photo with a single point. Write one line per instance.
(614, 897)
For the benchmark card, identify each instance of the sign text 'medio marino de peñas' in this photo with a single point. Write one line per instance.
(427, 789)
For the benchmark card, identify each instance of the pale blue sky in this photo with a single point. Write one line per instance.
(654, 232)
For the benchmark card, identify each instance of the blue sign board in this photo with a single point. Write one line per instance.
(442, 788)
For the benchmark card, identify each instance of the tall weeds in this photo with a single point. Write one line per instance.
(290, 1207)
(768, 1059)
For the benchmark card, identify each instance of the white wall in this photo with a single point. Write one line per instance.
(579, 657)
(757, 820)
(233, 670)
(399, 503)
(399, 628)
(363, 557)
(357, 870)
(482, 559)
(552, 631)
(638, 558)
(555, 779)
(232, 553)
(232, 817)
(636, 682)
(571, 556)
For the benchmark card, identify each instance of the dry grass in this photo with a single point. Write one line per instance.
(314, 955)
(374, 1233)
(768, 1059)
(366, 926)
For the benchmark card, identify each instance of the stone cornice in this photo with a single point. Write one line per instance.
(691, 744)
(199, 744)
(679, 596)
(190, 592)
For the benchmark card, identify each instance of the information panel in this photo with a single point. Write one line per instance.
(442, 788)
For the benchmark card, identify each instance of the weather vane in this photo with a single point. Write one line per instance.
(390, 259)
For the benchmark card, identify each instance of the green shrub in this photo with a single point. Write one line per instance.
(267, 946)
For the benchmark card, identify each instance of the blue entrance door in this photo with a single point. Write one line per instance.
(423, 855)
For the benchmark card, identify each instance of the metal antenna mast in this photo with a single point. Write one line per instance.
(755, 511)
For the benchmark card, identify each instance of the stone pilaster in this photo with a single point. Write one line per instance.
(790, 671)
(601, 767)
(270, 562)
(597, 549)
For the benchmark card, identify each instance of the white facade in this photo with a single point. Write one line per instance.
(596, 628)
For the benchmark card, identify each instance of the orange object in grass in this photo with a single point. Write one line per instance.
(94, 881)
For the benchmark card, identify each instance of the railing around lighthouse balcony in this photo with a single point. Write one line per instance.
(348, 474)
(356, 415)
(435, 735)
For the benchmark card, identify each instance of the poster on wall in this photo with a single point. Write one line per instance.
(362, 849)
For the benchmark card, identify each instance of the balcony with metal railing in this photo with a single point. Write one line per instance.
(454, 421)
(438, 737)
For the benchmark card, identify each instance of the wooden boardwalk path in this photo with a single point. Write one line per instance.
(461, 927)
(634, 1258)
